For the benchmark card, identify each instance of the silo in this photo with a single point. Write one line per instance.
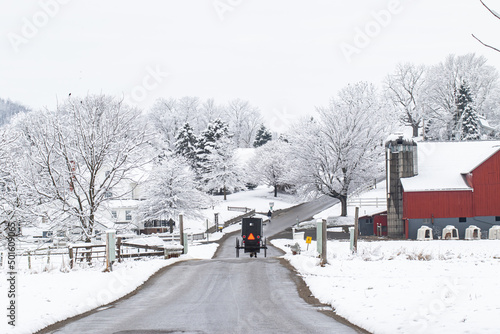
(401, 162)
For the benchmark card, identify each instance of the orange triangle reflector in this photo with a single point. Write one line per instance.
(251, 237)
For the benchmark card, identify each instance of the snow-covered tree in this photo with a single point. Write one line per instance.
(215, 130)
(209, 111)
(169, 115)
(262, 137)
(466, 118)
(406, 90)
(243, 120)
(186, 144)
(343, 149)
(8, 109)
(443, 83)
(271, 165)
(222, 169)
(172, 189)
(80, 152)
(14, 197)
(470, 125)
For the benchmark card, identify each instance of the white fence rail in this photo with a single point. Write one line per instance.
(361, 202)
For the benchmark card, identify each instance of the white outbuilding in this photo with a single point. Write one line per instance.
(494, 233)
(450, 232)
(472, 233)
(424, 233)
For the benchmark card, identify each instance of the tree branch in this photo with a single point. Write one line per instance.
(488, 46)
(495, 14)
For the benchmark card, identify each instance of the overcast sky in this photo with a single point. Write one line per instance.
(284, 56)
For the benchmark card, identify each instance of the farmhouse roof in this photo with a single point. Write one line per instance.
(443, 165)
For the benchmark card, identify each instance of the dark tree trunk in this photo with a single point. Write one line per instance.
(415, 128)
(275, 191)
(343, 203)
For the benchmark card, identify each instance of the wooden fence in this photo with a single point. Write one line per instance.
(235, 220)
(123, 250)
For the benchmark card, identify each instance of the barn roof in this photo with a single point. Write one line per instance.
(442, 165)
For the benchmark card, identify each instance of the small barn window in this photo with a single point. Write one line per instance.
(462, 220)
(497, 218)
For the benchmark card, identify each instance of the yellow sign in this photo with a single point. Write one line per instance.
(308, 240)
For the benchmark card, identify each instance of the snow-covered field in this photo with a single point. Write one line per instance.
(48, 297)
(407, 286)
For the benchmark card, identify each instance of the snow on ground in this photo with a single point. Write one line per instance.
(407, 286)
(48, 297)
(257, 199)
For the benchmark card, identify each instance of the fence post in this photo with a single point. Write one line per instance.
(356, 229)
(324, 259)
(70, 257)
(321, 239)
(119, 248)
(110, 249)
(181, 229)
(29, 260)
(185, 244)
(207, 232)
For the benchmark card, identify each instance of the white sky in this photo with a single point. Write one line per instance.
(284, 56)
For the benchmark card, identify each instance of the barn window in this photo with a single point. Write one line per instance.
(497, 218)
(462, 220)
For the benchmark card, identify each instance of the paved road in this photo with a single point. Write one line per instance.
(222, 295)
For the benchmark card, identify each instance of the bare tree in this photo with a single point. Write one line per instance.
(343, 150)
(495, 14)
(80, 153)
(172, 190)
(271, 165)
(406, 89)
(244, 120)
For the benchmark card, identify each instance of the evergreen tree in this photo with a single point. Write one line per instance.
(207, 141)
(262, 137)
(470, 124)
(214, 132)
(465, 120)
(186, 144)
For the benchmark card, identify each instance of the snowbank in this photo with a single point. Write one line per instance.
(407, 286)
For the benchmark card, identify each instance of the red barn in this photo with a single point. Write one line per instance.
(457, 183)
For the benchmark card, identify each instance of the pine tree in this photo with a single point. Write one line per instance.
(186, 144)
(466, 120)
(262, 137)
(470, 124)
(215, 131)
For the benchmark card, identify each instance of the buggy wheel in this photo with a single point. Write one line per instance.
(237, 247)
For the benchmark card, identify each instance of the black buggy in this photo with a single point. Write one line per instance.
(252, 240)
